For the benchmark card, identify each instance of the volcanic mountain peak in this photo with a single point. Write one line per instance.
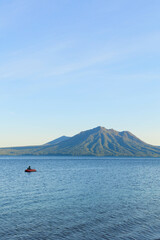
(98, 141)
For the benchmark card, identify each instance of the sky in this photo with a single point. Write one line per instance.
(68, 66)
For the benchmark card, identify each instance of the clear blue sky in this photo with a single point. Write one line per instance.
(69, 65)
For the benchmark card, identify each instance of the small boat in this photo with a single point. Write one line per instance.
(30, 170)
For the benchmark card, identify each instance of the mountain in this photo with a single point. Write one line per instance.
(102, 142)
(95, 142)
(30, 150)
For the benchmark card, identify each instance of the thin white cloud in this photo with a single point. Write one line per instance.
(53, 60)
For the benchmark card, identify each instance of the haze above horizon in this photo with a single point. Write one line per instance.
(68, 66)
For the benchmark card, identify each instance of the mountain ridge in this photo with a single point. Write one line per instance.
(57, 140)
(98, 141)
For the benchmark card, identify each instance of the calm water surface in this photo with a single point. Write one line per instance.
(79, 198)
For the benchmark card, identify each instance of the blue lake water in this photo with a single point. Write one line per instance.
(80, 198)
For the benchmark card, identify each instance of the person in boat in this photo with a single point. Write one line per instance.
(29, 168)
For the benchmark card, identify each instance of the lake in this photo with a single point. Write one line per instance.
(80, 198)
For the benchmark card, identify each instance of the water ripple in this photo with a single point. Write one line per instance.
(80, 199)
